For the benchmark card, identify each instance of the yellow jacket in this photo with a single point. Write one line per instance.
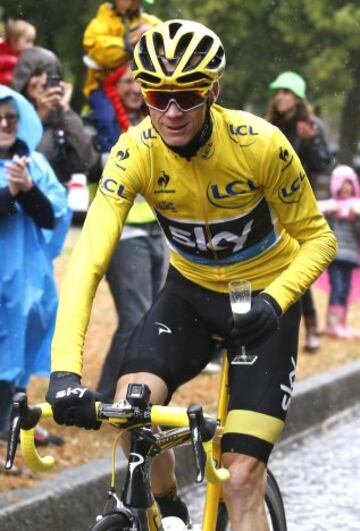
(105, 44)
(241, 208)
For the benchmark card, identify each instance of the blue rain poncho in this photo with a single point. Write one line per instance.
(28, 296)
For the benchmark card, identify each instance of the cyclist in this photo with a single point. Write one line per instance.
(234, 202)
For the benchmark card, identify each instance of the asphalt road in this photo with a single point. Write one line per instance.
(319, 475)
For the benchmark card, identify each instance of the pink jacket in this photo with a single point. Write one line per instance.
(346, 208)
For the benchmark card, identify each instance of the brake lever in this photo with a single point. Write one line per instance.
(19, 403)
(196, 419)
(22, 417)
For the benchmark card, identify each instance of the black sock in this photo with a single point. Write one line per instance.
(170, 504)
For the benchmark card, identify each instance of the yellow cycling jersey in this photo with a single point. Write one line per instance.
(242, 208)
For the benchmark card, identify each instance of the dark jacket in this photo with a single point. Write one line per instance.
(314, 154)
(65, 142)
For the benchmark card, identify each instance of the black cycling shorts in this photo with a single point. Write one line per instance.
(175, 341)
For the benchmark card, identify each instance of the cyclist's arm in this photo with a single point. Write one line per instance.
(91, 255)
(288, 190)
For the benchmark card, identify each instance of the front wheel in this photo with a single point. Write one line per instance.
(114, 522)
(275, 510)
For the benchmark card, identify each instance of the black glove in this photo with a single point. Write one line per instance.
(259, 324)
(72, 403)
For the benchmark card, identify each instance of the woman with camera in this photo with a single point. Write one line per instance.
(65, 142)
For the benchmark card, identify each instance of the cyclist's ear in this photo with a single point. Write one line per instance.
(214, 92)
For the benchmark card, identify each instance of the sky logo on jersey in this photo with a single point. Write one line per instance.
(292, 193)
(225, 241)
(236, 131)
(112, 188)
(222, 196)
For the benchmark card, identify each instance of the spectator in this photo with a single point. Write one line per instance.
(19, 36)
(65, 143)
(343, 214)
(137, 268)
(33, 222)
(109, 40)
(291, 112)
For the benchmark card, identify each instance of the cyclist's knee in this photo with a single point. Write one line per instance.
(247, 478)
(158, 387)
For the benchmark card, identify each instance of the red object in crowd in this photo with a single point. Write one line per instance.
(109, 85)
(8, 60)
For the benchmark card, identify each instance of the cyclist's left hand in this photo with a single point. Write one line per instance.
(253, 328)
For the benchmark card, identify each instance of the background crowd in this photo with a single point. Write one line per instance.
(44, 143)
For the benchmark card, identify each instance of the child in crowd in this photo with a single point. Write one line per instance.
(109, 40)
(19, 36)
(343, 214)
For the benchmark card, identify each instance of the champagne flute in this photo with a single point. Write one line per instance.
(240, 302)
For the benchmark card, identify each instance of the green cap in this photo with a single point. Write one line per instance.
(290, 81)
(149, 1)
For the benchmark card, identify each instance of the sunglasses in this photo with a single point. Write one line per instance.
(185, 100)
(9, 117)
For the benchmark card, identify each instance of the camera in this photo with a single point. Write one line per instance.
(53, 81)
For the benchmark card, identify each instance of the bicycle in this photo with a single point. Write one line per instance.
(137, 509)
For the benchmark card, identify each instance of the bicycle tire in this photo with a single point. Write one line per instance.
(114, 522)
(274, 504)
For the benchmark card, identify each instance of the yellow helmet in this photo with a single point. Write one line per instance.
(178, 54)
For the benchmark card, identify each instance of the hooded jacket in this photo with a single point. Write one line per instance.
(28, 297)
(344, 214)
(65, 142)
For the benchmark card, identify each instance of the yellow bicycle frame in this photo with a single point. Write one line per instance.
(213, 491)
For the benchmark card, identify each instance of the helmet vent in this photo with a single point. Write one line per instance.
(199, 53)
(143, 76)
(217, 59)
(183, 43)
(173, 29)
(192, 78)
(144, 56)
(159, 46)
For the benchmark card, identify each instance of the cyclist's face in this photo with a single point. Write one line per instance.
(285, 101)
(176, 127)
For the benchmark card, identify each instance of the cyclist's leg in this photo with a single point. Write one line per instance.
(259, 399)
(170, 346)
(163, 467)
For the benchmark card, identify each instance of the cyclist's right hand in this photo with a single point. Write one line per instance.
(71, 402)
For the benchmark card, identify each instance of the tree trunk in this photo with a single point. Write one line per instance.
(350, 121)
